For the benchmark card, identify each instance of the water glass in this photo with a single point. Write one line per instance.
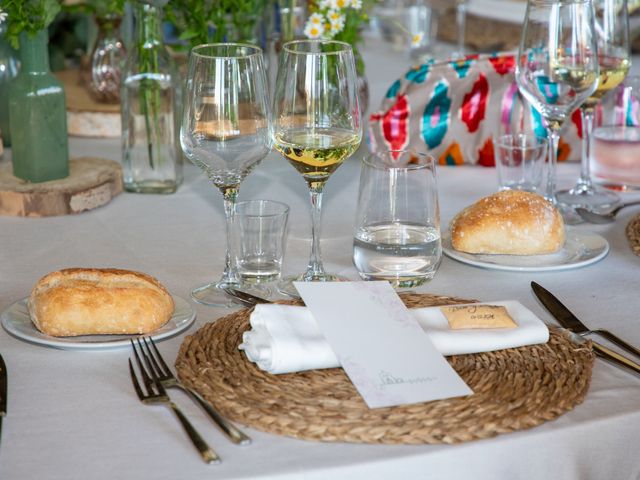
(260, 228)
(397, 235)
(616, 157)
(520, 161)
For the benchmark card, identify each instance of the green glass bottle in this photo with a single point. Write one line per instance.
(9, 67)
(38, 115)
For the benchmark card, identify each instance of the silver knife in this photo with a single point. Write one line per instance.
(569, 321)
(3, 392)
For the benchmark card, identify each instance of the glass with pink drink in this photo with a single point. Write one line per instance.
(616, 157)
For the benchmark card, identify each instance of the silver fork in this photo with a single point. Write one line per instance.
(168, 380)
(156, 395)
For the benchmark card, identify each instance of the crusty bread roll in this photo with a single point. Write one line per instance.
(92, 301)
(509, 222)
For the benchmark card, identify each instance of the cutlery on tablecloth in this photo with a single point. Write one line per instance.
(156, 395)
(594, 217)
(3, 392)
(570, 322)
(153, 359)
(248, 299)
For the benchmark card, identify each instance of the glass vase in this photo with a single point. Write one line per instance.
(38, 115)
(151, 159)
(107, 57)
(9, 67)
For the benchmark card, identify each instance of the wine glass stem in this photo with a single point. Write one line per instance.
(315, 269)
(584, 183)
(554, 140)
(461, 20)
(230, 195)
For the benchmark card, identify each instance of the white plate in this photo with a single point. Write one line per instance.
(15, 320)
(580, 249)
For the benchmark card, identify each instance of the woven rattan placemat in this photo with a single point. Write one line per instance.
(514, 389)
(633, 234)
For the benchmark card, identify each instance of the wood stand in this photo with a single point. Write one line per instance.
(85, 116)
(92, 182)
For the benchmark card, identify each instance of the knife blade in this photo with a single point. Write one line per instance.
(569, 321)
(3, 392)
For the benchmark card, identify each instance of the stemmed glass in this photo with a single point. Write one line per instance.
(226, 131)
(317, 124)
(612, 34)
(557, 69)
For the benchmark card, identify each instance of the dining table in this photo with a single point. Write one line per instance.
(74, 415)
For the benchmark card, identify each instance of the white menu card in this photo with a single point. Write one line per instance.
(381, 347)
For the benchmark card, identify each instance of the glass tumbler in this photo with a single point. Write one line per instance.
(260, 228)
(397, 235)
(520, 161)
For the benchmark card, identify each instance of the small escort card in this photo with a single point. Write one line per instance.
(381, 347)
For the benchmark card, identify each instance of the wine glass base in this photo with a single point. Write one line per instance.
(589, 198)
(213, 295)
(286, 287)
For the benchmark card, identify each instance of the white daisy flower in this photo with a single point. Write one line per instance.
(316, 19)
(338, 4)
(356, 4)
(3, 15)
(334, 16)
(313, 31)
(322, 4)
(336, 27)
(416, 39)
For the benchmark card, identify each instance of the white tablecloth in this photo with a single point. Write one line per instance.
(74, 415)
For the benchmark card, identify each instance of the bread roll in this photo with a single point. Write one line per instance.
(509, 222)
(92, 301)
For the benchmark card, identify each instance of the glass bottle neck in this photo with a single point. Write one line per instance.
(149, 20)
(34, 53)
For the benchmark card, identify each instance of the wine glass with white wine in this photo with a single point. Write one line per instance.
(317, 125)
(226, 131)
(557, 70)
(614, 57)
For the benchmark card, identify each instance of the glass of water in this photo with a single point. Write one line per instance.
(397, 234)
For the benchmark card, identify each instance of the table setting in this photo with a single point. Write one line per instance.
(451, 320)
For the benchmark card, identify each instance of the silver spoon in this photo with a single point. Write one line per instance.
(608, 217)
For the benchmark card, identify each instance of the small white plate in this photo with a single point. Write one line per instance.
(580, 249)
(16, 320)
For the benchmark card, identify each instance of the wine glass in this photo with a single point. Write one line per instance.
(612, 35)
(317, 125)
(557, 70)
(461, 25)
(226, 131)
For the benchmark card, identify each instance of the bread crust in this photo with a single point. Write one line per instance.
(509, 222)
(95, 301)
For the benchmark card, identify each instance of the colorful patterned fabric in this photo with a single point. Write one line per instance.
(455, 109)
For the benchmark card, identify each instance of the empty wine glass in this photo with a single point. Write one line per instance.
(557, 69)
(226, 131)
(612, 34)
(316, 124)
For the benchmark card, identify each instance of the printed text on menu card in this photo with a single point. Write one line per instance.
(383, 350)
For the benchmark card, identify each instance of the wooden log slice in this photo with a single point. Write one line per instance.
(85, 116)
(92, 182)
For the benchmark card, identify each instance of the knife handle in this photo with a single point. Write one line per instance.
(618, 341)
(615, 357)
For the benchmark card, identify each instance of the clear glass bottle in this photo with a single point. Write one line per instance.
(107, 58)
(151, 159)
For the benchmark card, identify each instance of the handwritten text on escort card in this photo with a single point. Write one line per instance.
(381, 347)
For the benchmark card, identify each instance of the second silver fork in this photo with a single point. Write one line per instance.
(168, 380)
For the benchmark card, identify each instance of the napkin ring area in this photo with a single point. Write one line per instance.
(515, 389)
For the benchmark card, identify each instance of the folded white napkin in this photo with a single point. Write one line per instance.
(285, 338)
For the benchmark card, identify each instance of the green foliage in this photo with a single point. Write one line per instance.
(29, 16)
(204, 22)
(104, 7)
